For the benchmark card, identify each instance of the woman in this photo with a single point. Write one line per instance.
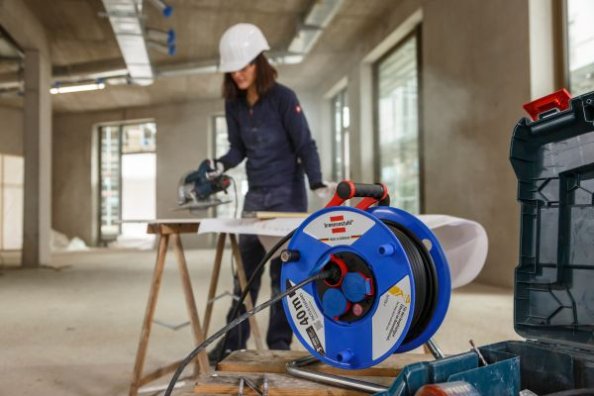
(267, 126)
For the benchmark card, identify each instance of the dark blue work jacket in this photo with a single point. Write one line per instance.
(275, 138)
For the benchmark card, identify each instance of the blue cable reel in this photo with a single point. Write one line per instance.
(391, 288)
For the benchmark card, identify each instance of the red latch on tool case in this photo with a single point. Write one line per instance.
(558, 100)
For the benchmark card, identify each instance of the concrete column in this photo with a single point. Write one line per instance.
(37, 150)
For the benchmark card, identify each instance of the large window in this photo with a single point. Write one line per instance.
(340, 132)
(127, 179)
(397, 138)
(240, 187)
(11, 202)
(580, 32)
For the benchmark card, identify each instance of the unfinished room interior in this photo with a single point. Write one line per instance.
(296, 197)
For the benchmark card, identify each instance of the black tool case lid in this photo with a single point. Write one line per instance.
(553, 158)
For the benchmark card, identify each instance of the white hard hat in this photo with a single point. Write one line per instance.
(240, 45)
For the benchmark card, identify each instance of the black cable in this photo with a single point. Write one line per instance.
(237, 321)
(253, 277)
(424, 276)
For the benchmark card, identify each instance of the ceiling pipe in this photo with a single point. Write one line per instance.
(105, 69)
(167, 37)
(126, 21)
(10, 92)
(10, 81)
(212, 66)
(167, 49)
(163, 7)
(314, 23)
(187, 69)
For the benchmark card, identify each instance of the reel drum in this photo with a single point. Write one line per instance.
(390, 293)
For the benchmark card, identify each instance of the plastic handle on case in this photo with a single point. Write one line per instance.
(558, 100)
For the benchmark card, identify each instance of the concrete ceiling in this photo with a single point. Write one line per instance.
(77, 34)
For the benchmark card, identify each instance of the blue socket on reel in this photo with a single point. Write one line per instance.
(373, 309)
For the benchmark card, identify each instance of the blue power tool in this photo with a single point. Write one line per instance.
(197, 189)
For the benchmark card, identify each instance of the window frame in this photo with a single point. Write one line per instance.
(561, 45)
(416, 33)
(3, 185)
(120, 125)
(342, 96)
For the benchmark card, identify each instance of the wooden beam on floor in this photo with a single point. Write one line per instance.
(249, 361)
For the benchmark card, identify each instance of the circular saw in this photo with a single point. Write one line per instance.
(197, 189)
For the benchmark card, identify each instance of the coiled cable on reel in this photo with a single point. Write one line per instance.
(425, 278)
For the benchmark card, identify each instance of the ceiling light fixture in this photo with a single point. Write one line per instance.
(77, 88)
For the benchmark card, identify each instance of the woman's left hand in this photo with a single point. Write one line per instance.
(325, 190)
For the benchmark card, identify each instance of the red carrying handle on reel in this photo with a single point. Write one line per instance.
(371, 194)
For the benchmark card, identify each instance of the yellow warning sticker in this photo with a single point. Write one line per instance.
(390, 318)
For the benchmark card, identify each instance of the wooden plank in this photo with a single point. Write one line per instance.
(286, 215)
(172, 228)
(149, 313)
(191, 220)
(249, 361)
(158, 373)
(278, 385)
(214, 281)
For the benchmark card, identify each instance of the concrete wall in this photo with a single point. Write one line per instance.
(471, 101)
(475, 76)
(11, 131)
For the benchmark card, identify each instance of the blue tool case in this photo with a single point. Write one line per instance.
(553, 159)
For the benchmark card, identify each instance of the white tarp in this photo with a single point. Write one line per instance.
(464, 241)
(60, 243)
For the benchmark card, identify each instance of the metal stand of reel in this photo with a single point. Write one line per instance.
(296, 368)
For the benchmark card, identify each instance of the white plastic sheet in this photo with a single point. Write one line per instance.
(464, 241)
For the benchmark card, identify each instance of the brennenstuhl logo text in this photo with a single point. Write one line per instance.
(339, 224)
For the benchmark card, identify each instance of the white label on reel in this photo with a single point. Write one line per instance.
(391, 316)
(307, 318)
(339, 227)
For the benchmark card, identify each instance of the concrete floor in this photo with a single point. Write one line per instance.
(74, 330)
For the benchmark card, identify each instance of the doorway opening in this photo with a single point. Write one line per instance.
(128, 176)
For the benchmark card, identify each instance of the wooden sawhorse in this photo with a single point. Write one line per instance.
(170, 230)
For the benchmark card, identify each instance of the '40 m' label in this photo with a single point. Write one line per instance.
(307, 318)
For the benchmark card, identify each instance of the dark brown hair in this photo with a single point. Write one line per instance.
(265, 79)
